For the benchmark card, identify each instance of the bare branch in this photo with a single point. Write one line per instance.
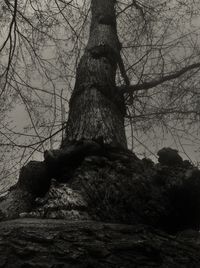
(154, 83)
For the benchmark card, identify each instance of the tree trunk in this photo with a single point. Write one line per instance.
(96, 107)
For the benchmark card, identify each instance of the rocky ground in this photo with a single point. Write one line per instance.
(116, 186)
(90, 244)
(102, 206)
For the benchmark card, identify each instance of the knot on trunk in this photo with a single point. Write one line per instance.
(106, 19)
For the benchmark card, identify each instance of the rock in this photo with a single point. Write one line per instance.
(61, 202)
(114, 186)
(169, 157)
(60, 243)
(69, 158)
(34, 178)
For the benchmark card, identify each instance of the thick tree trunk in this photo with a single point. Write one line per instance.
(96, 107)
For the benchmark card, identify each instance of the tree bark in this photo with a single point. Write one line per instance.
(96, 107)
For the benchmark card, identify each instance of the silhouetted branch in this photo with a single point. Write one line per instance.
(154, 83)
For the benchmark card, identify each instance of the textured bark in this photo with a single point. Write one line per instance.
(96, 107)
(58, 243)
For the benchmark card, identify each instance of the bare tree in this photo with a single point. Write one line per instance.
(133, 66)
(157, 71)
